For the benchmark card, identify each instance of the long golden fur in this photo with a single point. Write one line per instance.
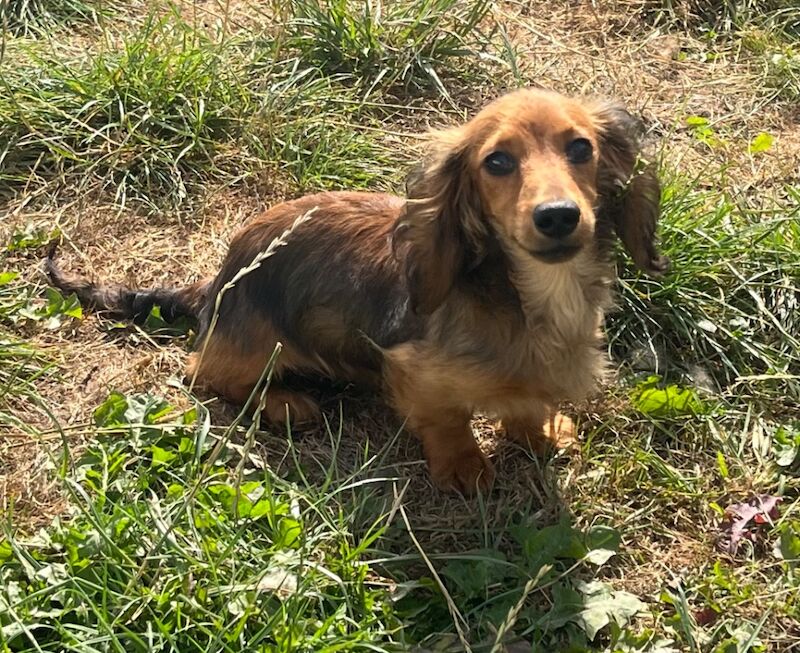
(483, 290)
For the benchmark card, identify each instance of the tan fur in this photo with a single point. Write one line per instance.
(223, 367)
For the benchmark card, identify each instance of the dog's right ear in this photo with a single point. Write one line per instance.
(629, 192)
(441, 232)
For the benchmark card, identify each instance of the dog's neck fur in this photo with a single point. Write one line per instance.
(555, 312)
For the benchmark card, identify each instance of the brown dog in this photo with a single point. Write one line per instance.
(483, 290)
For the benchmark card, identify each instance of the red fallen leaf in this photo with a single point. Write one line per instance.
(705, 616)
(761, 509)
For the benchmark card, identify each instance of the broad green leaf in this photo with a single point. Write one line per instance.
(548, 544)
(112, 411)
(602, 543)
(473, 575)
(667, 401)
(8, 277)
(161, 457)
(592, 606)
(786, 445)
(71, 307)
(31, 237)
(289, 532)
(157, 324)
(146, 409)
(761, 143)
(789, 546)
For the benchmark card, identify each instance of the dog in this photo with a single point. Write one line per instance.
(484, 289)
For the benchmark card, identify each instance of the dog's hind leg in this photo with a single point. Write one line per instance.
(233, 372)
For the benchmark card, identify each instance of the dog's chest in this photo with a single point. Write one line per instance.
(546, 337)
(563, 310)
(552, 338)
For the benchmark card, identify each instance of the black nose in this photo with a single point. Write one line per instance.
(556, 219)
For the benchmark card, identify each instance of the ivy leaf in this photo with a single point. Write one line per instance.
(592, 607)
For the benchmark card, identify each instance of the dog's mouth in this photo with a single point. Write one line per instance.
(557, 254)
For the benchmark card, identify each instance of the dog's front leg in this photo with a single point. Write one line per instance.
(455, 460)
(425, 390)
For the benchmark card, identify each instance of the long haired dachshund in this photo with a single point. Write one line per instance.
(482, 290)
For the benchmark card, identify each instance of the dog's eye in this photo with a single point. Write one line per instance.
(500, 164)
(579, 150)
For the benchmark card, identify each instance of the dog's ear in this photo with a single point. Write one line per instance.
(630, 192)
(441, 232)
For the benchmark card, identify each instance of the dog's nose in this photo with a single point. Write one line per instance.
(557, 219)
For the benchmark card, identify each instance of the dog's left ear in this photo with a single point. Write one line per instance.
(630, 193)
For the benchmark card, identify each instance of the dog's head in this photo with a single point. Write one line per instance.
(540, 173)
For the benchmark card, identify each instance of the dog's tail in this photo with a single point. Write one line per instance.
(123, 302)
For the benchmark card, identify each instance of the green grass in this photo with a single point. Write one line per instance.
(23, 304)
(182, 538)
(37, 17)
(144, 119)
(725, 17)
(152, 119)
(181, 542)
(408, 43)
(730, 305)
(768, 31)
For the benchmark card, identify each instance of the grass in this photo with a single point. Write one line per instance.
(176, 524)
(730, 307)
(36, 17)
(152, 121)
(180, 541)
(726, 16)
(182, 538)
(142, 119)
(409, 43)
(768, 30)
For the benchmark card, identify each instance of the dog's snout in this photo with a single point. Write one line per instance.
(557, 219)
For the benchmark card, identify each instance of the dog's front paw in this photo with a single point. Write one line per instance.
(465, 472)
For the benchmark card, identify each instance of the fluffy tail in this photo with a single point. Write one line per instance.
(123, 302)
